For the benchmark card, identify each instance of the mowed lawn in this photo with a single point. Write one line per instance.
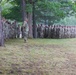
(38, 57)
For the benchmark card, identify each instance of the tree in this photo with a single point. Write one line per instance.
(23, 8)
(1, 32)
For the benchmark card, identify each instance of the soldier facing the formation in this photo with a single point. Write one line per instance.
(25, 29)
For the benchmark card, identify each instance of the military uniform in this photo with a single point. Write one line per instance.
(18, 31)
(38, 31)
(25, 30)
(49, 34)
(41, 31)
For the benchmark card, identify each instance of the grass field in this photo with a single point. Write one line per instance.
(38, 57)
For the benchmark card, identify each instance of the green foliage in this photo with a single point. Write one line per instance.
(14, 14)
(29, 8)
(6, 6)
(54, 10)
(70, 20)
(46, 11)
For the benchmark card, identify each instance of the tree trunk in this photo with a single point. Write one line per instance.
(1, 33)
(34, 23)
(23, 7)
(30, 25)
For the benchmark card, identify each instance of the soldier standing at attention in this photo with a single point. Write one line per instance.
(25, 29)
(18, 31)
(38, 31)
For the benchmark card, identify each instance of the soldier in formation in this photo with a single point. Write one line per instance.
(56, 31)
(10, 30)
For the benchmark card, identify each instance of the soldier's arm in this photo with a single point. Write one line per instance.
(24, 23)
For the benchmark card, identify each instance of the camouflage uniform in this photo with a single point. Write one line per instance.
(25, 30)
(75, 31)
(18, 31)
(57, 31)
(49, 35)
(38, 31)
(46, 31)
(41, 31)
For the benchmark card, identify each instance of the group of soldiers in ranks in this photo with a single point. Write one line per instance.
(14, 30)
(56, 31)
(10, 29)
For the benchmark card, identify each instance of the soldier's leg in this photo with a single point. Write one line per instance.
(25, 36)
(25, 39)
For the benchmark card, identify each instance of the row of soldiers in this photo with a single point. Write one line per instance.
(56, 31)
(14, 30)
(10, 30)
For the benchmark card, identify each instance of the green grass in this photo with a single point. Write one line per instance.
(38, 57)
